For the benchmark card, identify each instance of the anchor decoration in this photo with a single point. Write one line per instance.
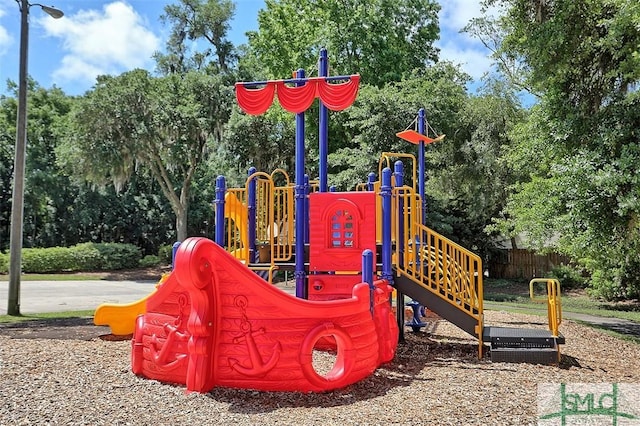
(257, 367)
(174, 335)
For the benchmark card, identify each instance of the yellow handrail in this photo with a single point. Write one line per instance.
(274, 221)
(284, 174)
(236, 218)
(282, 240)
(553, 301)
(385, 161)
(438, 264)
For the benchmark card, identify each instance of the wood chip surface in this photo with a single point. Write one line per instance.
(435, 378)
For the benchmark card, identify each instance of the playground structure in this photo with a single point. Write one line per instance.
(218, 321)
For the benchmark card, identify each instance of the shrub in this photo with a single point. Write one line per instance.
(569, 277)
(82, 257)
(150, 260)
(87, 257)
(4, 263)
(118, 255)
(44, 260)
(165, 253)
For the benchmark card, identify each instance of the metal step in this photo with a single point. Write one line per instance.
(521, 337)
(546, 356)
(534, 346)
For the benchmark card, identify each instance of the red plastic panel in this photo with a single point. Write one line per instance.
(214, 322)
(342, 225)
(332, 287)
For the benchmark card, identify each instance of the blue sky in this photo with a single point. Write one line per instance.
(113, 36)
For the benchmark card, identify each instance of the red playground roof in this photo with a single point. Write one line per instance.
(415, 137)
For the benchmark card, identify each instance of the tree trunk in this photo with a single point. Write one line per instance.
(181, 212)
(181, 224)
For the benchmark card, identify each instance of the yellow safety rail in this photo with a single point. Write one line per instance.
(283, 237)
(265, 224)
(235, 208)
(362, 187)
(438, 264)
(274, 220)
(284, 177)
(552, 299)
(386, 160)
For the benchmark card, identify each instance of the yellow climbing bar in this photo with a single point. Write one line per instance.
(552, 299)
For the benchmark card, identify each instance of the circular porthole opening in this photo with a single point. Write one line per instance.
(327, 355)
(324, 357)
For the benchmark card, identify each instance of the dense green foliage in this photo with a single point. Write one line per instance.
(160, 125)
(579, 152)
(81, 257)
(381, 40)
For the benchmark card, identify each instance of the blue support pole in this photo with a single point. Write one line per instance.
(385, 192)
(174, 250)
(251, 212)
(307, 188)
(323, 71)
(367, 276)
(399, 178)
(421, 166)
(300, 275)
(371, 179)
(221, 189)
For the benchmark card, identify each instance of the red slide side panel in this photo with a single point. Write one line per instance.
(342, 225)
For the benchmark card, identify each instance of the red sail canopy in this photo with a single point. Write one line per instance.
(297, 99)
(337, 97)
(255, 101)
(415, 137)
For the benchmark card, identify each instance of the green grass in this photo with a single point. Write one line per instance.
(52, 277)
(45, 316)
(505, 294)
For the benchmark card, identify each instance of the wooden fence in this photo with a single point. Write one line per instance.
(525, 264)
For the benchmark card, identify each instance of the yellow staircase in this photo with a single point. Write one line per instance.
(433, 270)
(447, 279)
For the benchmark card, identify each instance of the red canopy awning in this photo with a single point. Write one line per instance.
(296, 99)
(415, 137)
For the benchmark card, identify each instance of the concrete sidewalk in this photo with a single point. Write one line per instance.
(59, 296)
(620, 325)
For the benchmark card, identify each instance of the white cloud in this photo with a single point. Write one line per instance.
(5, 39)
(110, 41)
(475, 62)
(460, 47)
(455, 14)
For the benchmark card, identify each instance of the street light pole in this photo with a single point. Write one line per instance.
(17, 201)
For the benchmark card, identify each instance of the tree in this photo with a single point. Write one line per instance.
(47, 192)
(469, 176)
(382, 40)
(265, 142)
(378, 113)
(7, 143)
(157, 125)
(194, 20)
(579, 151)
